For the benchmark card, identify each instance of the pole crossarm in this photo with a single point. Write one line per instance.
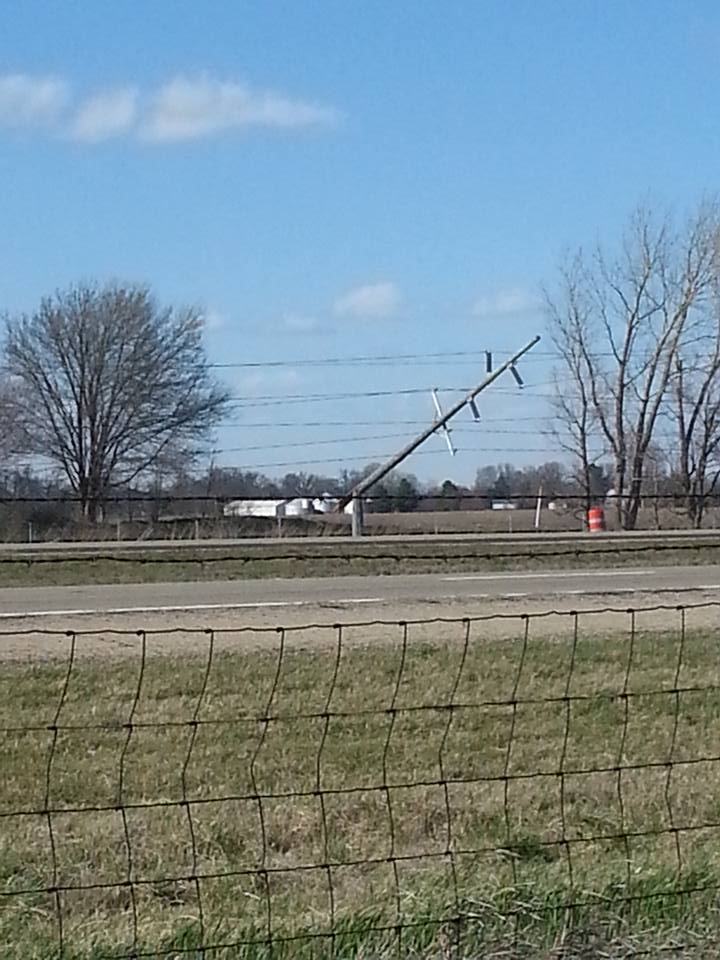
(438, 424)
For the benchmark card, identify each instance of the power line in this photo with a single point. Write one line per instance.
(466, 355)
(365, 458)
(381, 456)
(442, 357)
(468, 398)
(301, 424)
(310, 443)
(268, 400)
(328, 441)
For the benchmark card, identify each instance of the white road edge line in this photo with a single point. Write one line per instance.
(550, 575)
(184, 608)
(275, 604)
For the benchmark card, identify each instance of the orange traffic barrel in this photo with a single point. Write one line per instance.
(596, 519)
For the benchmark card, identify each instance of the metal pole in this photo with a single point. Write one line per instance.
(393, 462)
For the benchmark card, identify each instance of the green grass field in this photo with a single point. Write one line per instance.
(543, 786)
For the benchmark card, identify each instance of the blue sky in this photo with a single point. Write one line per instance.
(333, 179)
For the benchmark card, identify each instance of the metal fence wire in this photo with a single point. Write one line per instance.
(465, 787)
(201, 556)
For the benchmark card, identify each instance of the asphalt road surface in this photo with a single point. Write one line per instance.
(352, 592)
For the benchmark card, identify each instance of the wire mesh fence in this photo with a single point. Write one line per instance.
(344, 557)
(465, 787)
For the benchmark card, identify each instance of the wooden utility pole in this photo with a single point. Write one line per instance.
(359, 489)
(357, 516)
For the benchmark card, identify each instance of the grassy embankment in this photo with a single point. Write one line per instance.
(293, 558)
(360, 729)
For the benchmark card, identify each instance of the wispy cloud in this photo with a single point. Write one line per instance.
(27, 101)
(505, 303)
(372, 301)
(182, 109)
(300, 323)
(215, 320)
(108, 114)
(193, 108)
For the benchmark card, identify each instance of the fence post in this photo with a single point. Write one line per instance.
(538, 508)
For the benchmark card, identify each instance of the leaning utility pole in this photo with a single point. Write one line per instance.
(355, 495)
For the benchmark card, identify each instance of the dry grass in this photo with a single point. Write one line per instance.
(519, 521)
(14, 529)
(471, 521)
(160, 564)
(351, 772)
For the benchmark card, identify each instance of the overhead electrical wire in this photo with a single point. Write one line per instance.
(444, 357)
(344, 395)
(267, 400)
(369, 458)
(328, 441)
(323, 424)
(352, 360)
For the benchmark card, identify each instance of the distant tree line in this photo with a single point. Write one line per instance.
(111, 392)
(398, 492)
(204, 493)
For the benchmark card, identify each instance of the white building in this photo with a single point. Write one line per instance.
(295, 507)
(325, 504)
(254, 508)
(299, 507)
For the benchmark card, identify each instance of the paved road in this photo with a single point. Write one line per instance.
(350, 591)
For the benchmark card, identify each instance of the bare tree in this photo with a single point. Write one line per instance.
(695, 411)
(573, 405)
(619, 346)
(108, 384)
(9, 439)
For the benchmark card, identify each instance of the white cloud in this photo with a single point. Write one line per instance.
(102, 116)
(506, 303)
(373, 301)
(27, 101)
(189, 109)
(184, 108)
